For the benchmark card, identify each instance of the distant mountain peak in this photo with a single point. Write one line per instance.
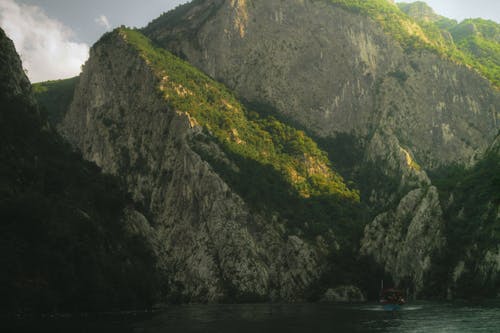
(420, 11)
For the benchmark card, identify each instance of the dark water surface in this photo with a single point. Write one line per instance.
(289, 318)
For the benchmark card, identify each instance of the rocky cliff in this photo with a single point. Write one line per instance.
(71, 238)
(132, 115)
(338, 68)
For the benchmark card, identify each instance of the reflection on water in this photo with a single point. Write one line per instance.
(262, 318)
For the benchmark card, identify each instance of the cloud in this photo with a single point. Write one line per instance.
(103, 22)
(45, 45)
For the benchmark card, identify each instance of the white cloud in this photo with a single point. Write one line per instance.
(44, 44)
(103, 22)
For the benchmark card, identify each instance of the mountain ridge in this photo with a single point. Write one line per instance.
(476, 39)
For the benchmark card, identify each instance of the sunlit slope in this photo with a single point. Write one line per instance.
(472, 42)
(277, 165)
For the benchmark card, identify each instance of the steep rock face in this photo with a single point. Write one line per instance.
(12, 69)
(284, 57)
(212, 245)
(13, 80)
(405, 240)
(409, 233)
(335, 71)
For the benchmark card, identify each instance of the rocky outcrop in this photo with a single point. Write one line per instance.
(13, 79)
(404, 240)
(406, 237)
(344, 294)
(210, 243)
(420, 11)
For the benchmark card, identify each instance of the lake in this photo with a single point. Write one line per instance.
(276, 318)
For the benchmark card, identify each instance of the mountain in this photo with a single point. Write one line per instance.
(420, 11)
(274, 151)
(246, 207)
(71, 239)
(392, 98)
(475, 41)
(347, 61)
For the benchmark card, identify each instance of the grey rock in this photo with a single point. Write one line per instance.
(404, 240)
(209, 243)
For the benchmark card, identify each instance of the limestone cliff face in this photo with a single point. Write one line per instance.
(405, 240)
(406, 237)
(335, 71)
(210, 244)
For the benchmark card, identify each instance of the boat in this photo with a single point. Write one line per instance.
(391, 299)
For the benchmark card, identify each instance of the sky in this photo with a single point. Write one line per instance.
(53, 36)
(462, 9)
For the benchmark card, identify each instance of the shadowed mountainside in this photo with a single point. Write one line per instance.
(69, 234)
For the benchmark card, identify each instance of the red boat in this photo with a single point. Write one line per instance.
(391, 299)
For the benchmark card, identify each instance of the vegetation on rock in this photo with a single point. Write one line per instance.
(479, 40)
(278, 167)
(473, 42)
(54, 97)
(417, 29)
(472, 198)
